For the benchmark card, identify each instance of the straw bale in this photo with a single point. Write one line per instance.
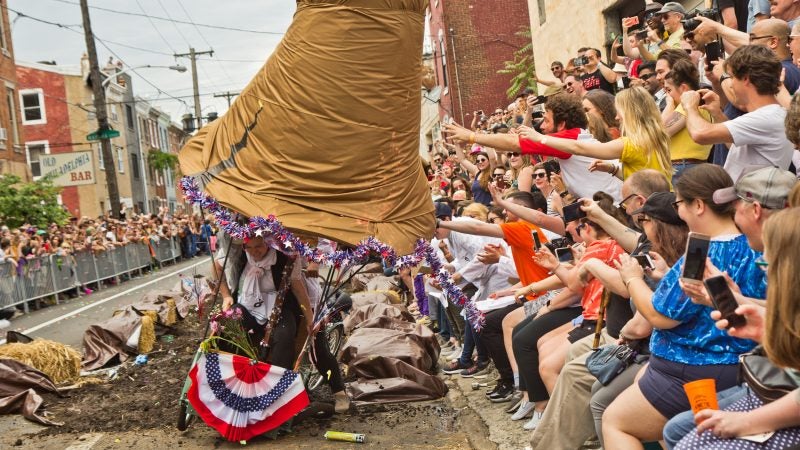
(60, 362)
(172, 313)
(147, 337)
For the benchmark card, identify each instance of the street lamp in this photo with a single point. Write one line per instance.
(177, 67)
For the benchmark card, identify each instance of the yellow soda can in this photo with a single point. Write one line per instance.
(345, 437)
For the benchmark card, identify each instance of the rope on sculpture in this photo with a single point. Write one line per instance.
(271, 226)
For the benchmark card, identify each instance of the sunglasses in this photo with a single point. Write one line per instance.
(555, 68)
(540, 175)
(482, 160)
(498, 175)
(580, 227)
(513, 154)
(642, 220)
(437, 160)
(646, 76)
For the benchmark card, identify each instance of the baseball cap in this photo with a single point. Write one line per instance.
(672, 7)
(653, 7)
(769, 186)
(659, 206)
(475, 149)
(443, 210)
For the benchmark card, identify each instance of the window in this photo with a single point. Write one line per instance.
(32, 101)
(120, 159)
(542, 12)
(33, 151)
(3, 41)
(12, 109)
(112, 112)
(100, 160)
(443, 56)
(129, 116)
(135, 166)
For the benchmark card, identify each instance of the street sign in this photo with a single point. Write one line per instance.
(102, 134)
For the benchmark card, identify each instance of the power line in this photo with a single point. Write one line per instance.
(204, 25)
(155, 27)
(224, 71)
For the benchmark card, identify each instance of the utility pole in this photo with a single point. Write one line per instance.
(193, 56)
(101, 113)
(228, 95)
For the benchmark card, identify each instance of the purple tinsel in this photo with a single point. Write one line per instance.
(419, 293)
(270, 226)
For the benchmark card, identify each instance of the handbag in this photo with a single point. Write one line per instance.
(768, 381)
(608, 361)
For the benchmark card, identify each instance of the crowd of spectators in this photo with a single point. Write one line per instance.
(565, 217)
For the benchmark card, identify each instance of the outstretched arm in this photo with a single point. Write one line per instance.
(538, 218)
(594, 149)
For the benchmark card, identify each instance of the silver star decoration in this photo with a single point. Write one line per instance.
(259, 232)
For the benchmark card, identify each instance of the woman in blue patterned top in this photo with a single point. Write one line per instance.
(685, 344)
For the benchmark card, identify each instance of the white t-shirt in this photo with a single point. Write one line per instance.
(581, 182)
(759, 140)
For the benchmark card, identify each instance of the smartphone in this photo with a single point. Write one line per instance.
(694, 263)
(724, 301)
(641, 35)
(573, 212)
(645, 261)
(564, 255)
(537, 244)
(501, 183)
(713, 53)
(632, 21)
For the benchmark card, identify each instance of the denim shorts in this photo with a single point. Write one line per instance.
(663, 380)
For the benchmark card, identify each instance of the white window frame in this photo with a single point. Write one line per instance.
(100, 161)
(40, 93)
(120, 159)
(46, 145)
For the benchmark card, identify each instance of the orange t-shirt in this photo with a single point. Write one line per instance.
(518, 236)
(608, 251)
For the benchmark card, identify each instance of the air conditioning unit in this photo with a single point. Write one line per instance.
(3, 134)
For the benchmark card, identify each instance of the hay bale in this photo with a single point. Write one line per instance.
(172, 313)
(60, 362)
(147, 337)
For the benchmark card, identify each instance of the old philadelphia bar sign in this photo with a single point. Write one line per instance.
(68, 169)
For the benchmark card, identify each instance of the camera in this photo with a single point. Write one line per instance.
(580, 61)
(559, 243)
(690, 23)
(641, 35)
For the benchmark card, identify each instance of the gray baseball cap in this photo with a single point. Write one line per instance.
(769, 186)
(672, 7)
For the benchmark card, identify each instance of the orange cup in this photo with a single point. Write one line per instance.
(702, 394)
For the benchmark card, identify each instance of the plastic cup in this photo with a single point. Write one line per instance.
(702, 394)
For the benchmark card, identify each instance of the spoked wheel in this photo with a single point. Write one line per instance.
(184, 417)
(334, 333)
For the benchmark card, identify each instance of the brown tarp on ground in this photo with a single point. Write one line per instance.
(157, 301)
(19, 384)
(106, 341)
(362, 313)
(333, 117)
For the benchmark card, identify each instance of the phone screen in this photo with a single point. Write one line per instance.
(713, 53)
(564, 254)
(537, 244)
(500, 183)
(696, 253)
(644, 261)
(573, 212)
(724, 301)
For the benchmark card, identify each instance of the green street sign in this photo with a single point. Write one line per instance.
(106, 134)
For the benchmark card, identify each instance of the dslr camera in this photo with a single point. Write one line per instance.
(559, 243)
(690, 23)
(580, 61)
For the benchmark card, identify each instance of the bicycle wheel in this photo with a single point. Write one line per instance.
(184, 417)
(311, 377)
(334, 334)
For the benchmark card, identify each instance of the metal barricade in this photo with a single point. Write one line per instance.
(132, 256)
(85, 267)
(36, 279)
(63, 270)
(143, 255)
(164, 250)
(175, 246)
(9, 288)
(120, 261)
(105, 264)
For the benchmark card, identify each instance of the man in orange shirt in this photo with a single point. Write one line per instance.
(517, 233)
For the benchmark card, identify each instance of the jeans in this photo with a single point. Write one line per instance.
(444, 327)
(683, 424)
(472, 342)
(678, 169)
(492, 337)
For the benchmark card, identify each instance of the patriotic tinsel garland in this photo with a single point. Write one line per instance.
(270, 226)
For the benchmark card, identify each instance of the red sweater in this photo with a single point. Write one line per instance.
(529, 147)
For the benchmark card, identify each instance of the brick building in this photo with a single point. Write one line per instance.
(45, 119)
(12, 150)
(470, 42)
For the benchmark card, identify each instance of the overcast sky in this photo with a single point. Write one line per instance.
(158, 40)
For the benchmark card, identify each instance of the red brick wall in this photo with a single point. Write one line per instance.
(483, 34)
(56, 131)
(8, 73)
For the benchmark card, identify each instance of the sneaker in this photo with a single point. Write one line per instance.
(503, 394)
(525, 409)
(454, 367)
(476, 369)
(516, 402)
(534, 422)
(454, 353)
(498, 384)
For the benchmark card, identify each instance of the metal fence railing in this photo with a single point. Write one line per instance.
(51, 275)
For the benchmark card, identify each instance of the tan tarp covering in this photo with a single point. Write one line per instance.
(362, 313)
(19, 384)
(334, 115)
(106, 341)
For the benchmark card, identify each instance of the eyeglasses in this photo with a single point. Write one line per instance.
(646, 76)
(755, 38)
(569, 83)
(498, 175)
(642, 219)
(513, 154)
(580, 227)
(437, 160)
(676, 203)
(554, 68)
(626, 199)
(762, 263)
(482, 160)
(494, 219)
(540, 175)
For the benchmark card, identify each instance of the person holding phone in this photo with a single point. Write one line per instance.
(685, 345)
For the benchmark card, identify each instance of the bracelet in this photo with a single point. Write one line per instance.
(627, 283)
(614, 170)
(660, 43)
(472, 138)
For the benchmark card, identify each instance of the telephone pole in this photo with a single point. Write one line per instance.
(193, 56)
(228, 95)
(103, 129)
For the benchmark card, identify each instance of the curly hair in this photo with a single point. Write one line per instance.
(567, 109)
(793, 122)
(759, 65)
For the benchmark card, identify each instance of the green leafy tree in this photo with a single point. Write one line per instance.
(159, 160)
(35, 203)
(522, 67)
